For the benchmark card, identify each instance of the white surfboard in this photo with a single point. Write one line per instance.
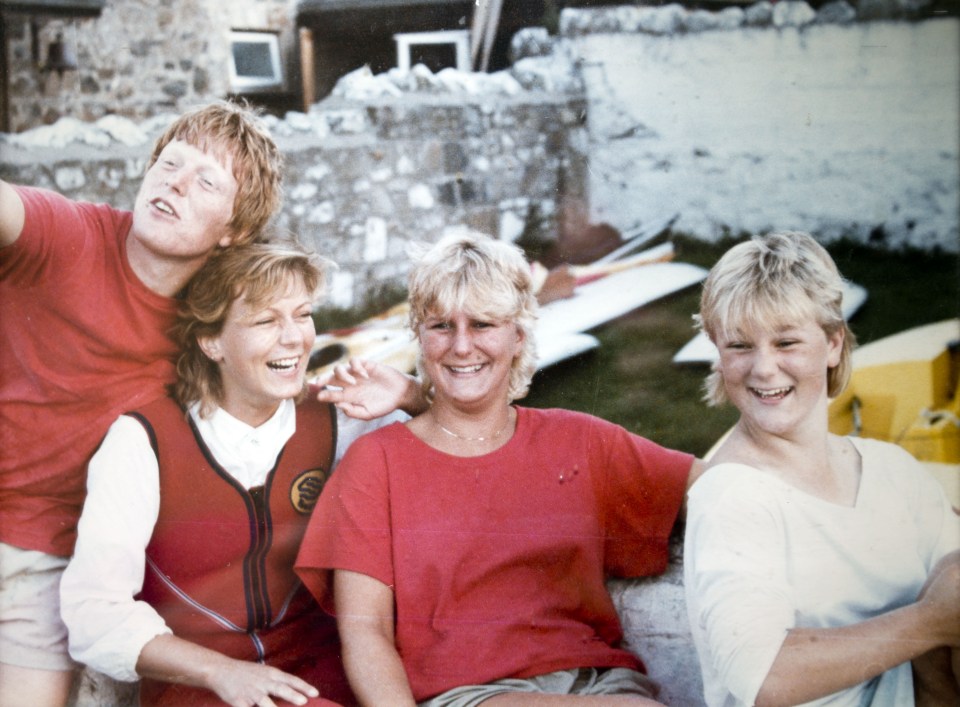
(700, 350)
(607, 298)
(559, 348)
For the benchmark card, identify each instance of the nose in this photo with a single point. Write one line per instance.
(462, 340)
(291, 333)
(764, 361)
(176, 180)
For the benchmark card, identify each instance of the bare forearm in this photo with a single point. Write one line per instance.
(171, 659)
(236, 682)
(365, 619)
(375, 670)
(813, 663)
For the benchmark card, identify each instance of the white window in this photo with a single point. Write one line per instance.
(255, 62)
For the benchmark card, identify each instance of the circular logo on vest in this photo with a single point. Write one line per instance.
(306, 488)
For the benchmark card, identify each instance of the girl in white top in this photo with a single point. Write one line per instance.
(817, 567)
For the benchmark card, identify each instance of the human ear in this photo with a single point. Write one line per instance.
(210, 345)
(229, 239)
(232, 236)
(521, 338)
(835, 347)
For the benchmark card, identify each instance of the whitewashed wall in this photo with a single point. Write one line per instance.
(840, 129)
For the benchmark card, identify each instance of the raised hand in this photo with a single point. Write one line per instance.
(367, 390)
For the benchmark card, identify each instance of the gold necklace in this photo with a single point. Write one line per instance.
(473, 439)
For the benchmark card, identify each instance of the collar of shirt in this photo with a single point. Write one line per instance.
(247, 453)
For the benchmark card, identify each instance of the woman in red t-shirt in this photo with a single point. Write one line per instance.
(470, 545)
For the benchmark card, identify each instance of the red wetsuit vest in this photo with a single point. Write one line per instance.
(220, 561)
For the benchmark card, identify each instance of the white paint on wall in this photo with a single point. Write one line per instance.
(832, 128)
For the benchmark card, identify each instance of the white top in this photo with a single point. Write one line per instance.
(108, 628)
(761, 557)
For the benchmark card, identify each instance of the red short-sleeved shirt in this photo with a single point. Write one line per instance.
(498, 563)
(84, 340)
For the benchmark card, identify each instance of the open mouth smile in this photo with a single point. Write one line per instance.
(466, 369)
(772, 393)
(284, 364)
(163, 207)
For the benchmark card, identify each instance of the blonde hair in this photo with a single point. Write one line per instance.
(257, 272)
(474, 273)
(226, 128)
(776, 279)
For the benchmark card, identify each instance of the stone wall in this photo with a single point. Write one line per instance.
(136, 59)
(424, 165)
(653, 612)
(365, 177)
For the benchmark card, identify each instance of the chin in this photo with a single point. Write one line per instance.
(290, 393)
(778, 427)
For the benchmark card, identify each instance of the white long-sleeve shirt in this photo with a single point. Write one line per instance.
(108, 627)
(762, 557)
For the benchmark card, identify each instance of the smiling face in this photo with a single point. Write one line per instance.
(469, 359)
(777, 377)
(262, 352)
(185, 204)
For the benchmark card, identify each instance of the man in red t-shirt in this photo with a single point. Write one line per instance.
(86, 300)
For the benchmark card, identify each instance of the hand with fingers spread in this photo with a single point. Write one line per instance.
(245, 684)
(367, 390)
(239, 683)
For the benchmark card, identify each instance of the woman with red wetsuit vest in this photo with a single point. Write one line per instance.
(183, 573)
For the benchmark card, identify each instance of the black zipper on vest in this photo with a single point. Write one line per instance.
(258, 607)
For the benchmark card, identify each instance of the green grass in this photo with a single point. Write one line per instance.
(631, 379)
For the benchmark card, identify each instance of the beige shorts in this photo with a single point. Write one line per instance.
(577, 681)
(32, 635)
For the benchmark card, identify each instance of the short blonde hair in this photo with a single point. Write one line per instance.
(226, 128)
(488, 278)
(779, 278)
(258, 272)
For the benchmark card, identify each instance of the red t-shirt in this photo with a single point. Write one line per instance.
(83, 341)
(498, 563)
